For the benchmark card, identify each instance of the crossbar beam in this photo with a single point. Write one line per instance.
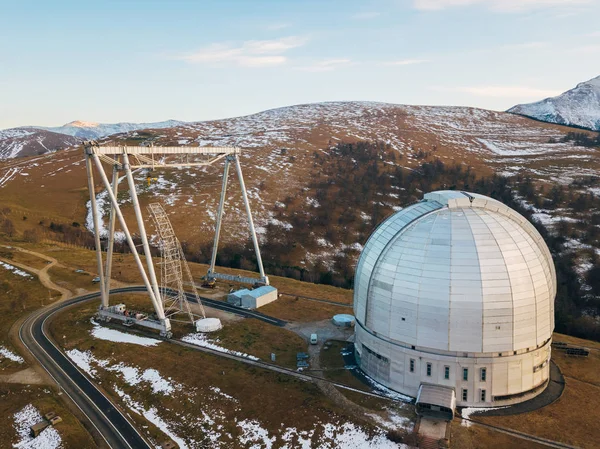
(131, 150)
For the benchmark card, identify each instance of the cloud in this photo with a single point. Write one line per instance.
(405, 62)
(278, 26)
(496, 5)
(249, 54)
(366, 15)
(588, 49)
(525, 46)
(501, 91)
(326, 65)
(594, 34)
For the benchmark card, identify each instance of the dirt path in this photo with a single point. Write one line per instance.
(27, 376)
(42, 274)
(34, 375)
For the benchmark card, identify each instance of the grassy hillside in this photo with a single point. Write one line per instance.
(321, 178)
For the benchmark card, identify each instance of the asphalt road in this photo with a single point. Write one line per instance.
(116, 430)
(110, 423)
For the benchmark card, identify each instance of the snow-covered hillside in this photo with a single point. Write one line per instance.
(89, 130)
(18, 142)
(579, 107)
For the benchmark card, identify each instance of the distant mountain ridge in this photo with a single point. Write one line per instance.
(91, 130)
(36, 140)
(579, 106)
(19, 142)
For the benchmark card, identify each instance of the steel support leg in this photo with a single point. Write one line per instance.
(238, 168)
(136, 256)
(143, 236)
(96, 221)
(213, 259)
(111, 235)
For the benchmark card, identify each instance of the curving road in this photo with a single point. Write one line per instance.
(110, 423)
(117, 431)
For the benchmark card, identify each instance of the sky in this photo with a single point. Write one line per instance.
(145, 61)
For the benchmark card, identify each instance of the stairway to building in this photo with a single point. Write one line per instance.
(428, 443)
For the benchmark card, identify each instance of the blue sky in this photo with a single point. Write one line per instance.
(110, 61)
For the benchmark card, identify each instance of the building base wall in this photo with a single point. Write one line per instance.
(487, 382)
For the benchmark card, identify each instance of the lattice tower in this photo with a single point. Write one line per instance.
(173, 268)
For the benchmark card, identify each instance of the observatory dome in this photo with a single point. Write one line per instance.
(455, 275)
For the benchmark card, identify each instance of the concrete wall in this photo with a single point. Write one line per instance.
(509, 374)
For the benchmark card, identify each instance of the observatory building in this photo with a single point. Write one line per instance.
(454, 304)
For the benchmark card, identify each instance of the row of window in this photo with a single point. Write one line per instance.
(379, 356)
(482, 371)
(465, 395)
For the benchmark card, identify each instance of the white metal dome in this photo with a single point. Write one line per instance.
(456, 272)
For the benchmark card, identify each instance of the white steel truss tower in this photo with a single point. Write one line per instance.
(173, 268)
(127, 158)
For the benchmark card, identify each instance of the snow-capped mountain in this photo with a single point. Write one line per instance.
(578, 107)
(90, 130)
(36, 140)
(18, 142)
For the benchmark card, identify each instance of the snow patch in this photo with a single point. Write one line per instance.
(253, 432)
(468, 411)
(350, 436)
(151, 415)
(8, 354)
(220, 392)
(15, 270)
(132, 376)
(394, 421)
(105, 333)
(84, 359)
(24, 419)
(205, 342)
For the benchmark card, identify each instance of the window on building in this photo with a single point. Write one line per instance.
(465, 394)
(412, 365)
(482, 395)
(465, 373)
(446, 372)
(483, 374)
(429, 369)
(379, 356)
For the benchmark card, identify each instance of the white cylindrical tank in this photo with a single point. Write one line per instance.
(208, 325)
(343, 320)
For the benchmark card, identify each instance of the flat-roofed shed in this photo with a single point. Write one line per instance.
(435, 401)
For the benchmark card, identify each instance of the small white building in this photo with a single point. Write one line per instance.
(456, 291)
(253, 299)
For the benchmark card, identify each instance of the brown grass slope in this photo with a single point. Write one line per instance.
(54, 186)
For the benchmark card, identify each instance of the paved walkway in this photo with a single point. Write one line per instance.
(433, 428)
